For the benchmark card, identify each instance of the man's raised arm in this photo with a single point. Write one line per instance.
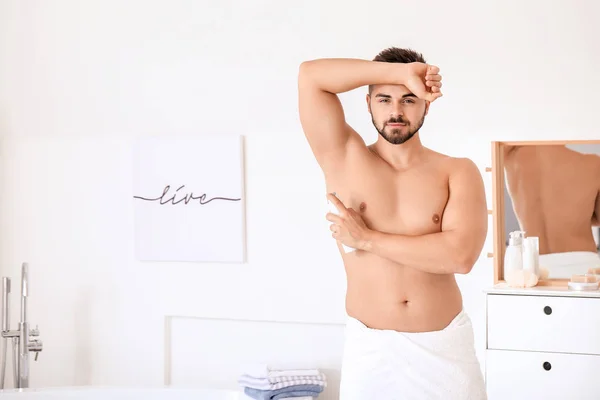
(321, 113)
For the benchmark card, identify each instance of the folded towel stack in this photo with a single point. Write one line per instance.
(265, 383)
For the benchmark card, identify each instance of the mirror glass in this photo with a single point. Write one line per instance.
(552, 191)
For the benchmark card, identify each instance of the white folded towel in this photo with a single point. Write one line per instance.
(282, 381)
(266, 371)
(294, 372)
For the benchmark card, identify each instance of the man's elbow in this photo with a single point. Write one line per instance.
(468, 249)
(465, 261)
(305, 70)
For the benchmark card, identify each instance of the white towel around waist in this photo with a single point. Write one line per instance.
(386, 364)
(565, 265)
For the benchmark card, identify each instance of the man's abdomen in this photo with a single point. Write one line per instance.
(384, 295)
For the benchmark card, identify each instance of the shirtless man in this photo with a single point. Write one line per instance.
(416, 218)
(555, 193)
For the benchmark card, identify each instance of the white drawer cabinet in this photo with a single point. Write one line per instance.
(544, 323)
(542, 343)
(525, 375)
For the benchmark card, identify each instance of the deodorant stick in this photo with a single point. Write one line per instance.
(333, 209)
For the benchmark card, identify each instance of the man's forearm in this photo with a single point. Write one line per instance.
(339, 75)
(438, 253)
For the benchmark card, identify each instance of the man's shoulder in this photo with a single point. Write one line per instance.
(456, 164)
(460, 169)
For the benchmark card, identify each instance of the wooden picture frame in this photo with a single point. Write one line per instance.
(497, 211)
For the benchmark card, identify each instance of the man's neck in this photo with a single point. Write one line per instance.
(400, 156)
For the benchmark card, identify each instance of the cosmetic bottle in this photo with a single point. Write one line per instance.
(531, 255)
(513, 257)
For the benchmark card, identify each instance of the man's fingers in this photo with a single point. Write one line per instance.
(335, 230)
(336, 202)
(333, 218)
(432, 70)
(434, 84)
(433, 80)
(434, 96)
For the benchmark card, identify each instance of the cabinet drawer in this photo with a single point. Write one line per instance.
(520, 375)
(543, 323)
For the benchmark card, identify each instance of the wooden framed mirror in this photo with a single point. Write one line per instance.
(548, 189)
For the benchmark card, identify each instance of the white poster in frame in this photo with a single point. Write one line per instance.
(188, 195)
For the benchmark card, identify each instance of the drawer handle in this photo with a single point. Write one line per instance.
(547, 366)
(547, 310)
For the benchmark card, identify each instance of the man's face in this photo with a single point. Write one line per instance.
(397, 114)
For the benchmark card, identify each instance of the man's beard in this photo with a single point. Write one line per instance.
(395, 136)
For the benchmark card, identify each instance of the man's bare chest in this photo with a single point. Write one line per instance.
(410, 204)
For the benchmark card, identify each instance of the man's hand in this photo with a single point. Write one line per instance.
(424, 81)
(348, 227)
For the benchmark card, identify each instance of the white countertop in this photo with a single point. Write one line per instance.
(503, 288)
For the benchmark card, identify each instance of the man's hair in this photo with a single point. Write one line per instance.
(397, 55)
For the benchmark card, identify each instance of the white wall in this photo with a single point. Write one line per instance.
(80, 80)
